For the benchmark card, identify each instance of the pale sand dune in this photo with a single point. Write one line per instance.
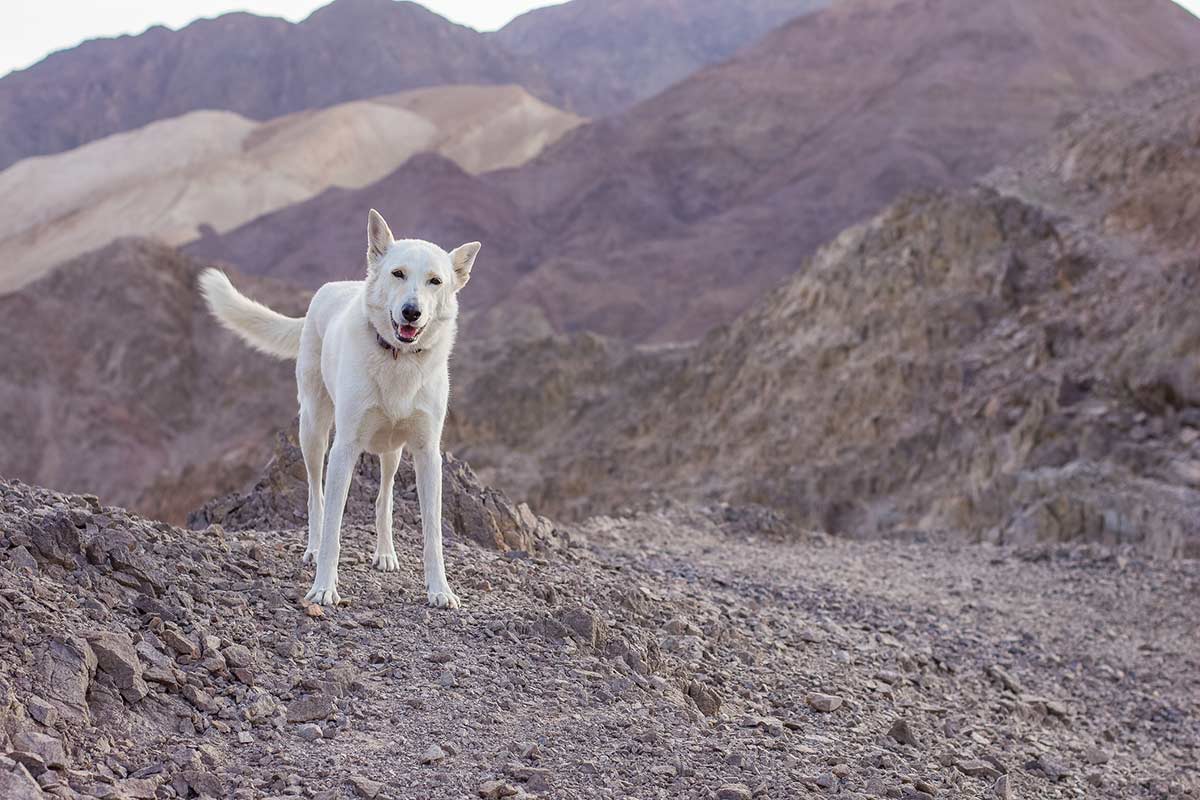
(216, 168)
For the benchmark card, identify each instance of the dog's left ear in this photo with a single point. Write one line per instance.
(463, 258)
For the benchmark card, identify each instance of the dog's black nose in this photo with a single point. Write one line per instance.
(411, 313)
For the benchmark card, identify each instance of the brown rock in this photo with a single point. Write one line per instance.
(48, 748)
(313, 707)
(117, 657)
(16, 783)
(824, 702)
(902, 732)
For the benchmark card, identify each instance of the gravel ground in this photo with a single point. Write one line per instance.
(683, 653)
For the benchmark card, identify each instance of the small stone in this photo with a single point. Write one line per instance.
(365, 787)
(707, 699)
(812, 636)
(314, 610)
(1005, 679)
(1095, 755)
(843, 770)
(977, 769)
(826, 780)
(310, 732)
(41, 710)
(734, 791)
(246, 737)
(494, 790)
(1000, 788)
(49, 749)
(313, 707)
(180, 643)
(824, 703)
(16, 783)
(238, 655)
(903, 733)
(433, 754)
(118, 658)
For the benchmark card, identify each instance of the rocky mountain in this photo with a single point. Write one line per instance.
(663, 222)
(602, 56)
(128, 390)
(215, 170)
(428, 196)
(1017, 361)
(257, 67)
(706, 652)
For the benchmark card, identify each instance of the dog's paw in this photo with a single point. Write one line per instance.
(385, 562)
(443, 599)
(310, 557)
(323, 595)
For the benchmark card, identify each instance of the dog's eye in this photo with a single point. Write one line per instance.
(436, 281)
(398, 273)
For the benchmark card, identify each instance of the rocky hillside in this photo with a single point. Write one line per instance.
(1018, 361)
(663, 222)
(125, 387)
(602, 56)
(216, 170)
(258, 67)
(692, 652)
(454, 207)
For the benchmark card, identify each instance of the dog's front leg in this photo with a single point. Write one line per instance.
(428, 462)
(337, 485)
(384, 557)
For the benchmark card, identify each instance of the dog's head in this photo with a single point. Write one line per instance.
(413, 285)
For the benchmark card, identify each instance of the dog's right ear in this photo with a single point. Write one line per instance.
(379, 237)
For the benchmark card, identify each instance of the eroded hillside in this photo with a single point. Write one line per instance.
(689, 652)
(1015, 361)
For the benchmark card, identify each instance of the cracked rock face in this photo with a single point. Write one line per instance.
(470, 510)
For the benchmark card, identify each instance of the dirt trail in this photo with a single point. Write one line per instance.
(682, 653)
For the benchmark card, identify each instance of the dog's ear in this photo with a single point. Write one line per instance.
(463, 258)
(379, 236)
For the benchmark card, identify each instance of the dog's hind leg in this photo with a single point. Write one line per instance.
(384, 557)
(316, 416)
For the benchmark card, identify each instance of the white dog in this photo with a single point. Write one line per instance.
(372, 360)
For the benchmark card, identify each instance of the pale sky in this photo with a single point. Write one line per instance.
(31, 29)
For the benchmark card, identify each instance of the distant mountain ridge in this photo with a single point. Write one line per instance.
(259, 67)
(669, 219)
(263, 67)
(605, 55)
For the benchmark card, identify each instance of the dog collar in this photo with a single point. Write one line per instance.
(395, 351)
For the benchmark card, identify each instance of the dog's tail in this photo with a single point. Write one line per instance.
(264, 329)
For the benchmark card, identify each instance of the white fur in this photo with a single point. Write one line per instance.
(377, 400)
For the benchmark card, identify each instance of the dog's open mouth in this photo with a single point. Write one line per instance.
(405, 333)
(408, 333)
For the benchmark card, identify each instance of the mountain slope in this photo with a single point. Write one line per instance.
(127, 368)
(683, 654)
(1017, 361)
(430, 197)
(216, 170)
(747, 165)
(663, 222)
(255, 66)
(603, 55)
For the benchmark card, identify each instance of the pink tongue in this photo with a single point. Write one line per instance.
(408, 331)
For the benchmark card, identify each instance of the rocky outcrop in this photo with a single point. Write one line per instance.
(470, 510)
(1006, 362)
